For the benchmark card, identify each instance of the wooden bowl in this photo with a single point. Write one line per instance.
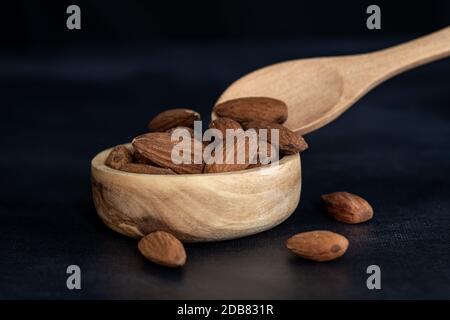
(196, 207)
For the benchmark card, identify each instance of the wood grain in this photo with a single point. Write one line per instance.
(196, 207)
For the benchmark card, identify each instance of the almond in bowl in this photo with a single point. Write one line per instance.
(146, 191)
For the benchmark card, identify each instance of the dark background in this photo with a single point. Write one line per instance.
(66, 95)
(29, 25)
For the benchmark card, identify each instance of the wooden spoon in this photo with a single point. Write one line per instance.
(318, 90)
(211, 207)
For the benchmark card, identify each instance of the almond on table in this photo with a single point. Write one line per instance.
(347, 207)
(163, 248)
(318, 245)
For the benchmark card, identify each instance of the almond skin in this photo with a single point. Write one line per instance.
(157, 147)
(144, 168)
(163, 248)
(223, 124)
(230, 157)
(253, 108)
(118, 156)
(269, 153)
(140, 159)
(173, 118)
(215, 168)
(255, 165)
(290, 142)
(318, 245)
(189, 130)
(347, 207)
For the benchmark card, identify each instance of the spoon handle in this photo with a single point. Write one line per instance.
(389, 62)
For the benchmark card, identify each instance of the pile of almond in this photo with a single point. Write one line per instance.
(151, 154)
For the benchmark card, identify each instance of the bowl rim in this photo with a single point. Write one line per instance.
(98, 163)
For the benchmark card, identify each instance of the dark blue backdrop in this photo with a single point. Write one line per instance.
(61, 106)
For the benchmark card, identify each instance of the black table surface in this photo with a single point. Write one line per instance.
(61, 107)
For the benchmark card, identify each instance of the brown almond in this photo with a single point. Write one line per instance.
(268, 153)
(223, 124)
(140, 159)
(163, 248)
(144, 168)
(253, 108)
(230, 156)
(118, 156)
(318, 245)
(289, 141)
(186, 131)
(347, 207)
(254, 165)
(157, 147)
(173, 118)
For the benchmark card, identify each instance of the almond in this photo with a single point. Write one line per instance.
(289, 141)
(254, 165)
(186, 130)
(118, 156)
(144, 168)
(140, 159)
(223, 124)
(347, 207)
(318, 245)
(163, 248)
(253, 108)
(268, 153)
(157, 147)
(173, 118)
(230, 156)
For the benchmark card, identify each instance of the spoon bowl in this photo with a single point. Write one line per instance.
(312, 83)
(318, 90)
